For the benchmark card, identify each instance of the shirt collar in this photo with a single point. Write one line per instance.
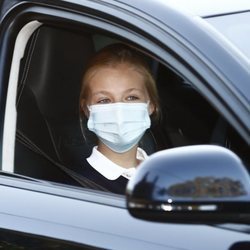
(109, 169)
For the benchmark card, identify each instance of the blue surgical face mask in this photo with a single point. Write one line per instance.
(119, 126)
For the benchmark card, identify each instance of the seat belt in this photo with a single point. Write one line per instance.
(83, 181)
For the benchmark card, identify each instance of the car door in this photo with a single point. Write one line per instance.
(41, 198)
(59, 216)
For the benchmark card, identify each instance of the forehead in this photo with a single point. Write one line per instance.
(118, 77)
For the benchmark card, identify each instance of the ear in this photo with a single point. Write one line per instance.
(151, 108)
(84, 108)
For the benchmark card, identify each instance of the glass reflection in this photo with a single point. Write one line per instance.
(206, 187)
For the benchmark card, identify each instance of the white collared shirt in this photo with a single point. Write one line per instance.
(109, 169)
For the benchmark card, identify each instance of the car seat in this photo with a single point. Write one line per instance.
(47, 102)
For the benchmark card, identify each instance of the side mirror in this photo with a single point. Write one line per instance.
(193, 184)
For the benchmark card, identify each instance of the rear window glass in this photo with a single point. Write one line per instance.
(236, 28)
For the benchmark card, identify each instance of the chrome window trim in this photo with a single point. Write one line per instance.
(10, 118)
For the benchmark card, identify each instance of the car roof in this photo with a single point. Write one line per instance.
(191, 7)
(209, 7)
(202, 8)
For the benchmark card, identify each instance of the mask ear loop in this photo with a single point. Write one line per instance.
(89, 107)
(148, 102)
(82, 119)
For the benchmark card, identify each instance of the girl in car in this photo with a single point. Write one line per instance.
(119, 98)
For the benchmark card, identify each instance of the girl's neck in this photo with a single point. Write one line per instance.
(127, 159)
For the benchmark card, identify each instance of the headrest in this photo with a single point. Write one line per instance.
(53, 69)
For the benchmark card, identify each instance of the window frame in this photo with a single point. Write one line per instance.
(166, 55)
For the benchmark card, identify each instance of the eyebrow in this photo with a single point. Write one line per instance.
(104, 92)
(132, 89)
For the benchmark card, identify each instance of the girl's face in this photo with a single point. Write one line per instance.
(119, 84)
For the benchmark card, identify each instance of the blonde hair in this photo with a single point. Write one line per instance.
(113, 56)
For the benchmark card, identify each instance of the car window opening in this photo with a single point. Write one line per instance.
(49, 144)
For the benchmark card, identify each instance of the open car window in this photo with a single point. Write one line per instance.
(44, 107)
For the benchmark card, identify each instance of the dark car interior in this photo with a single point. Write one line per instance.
(49, 139)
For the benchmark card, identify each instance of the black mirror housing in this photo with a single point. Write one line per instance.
(192, 184)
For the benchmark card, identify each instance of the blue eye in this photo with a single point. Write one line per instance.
(132, 98)
(104, 101)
